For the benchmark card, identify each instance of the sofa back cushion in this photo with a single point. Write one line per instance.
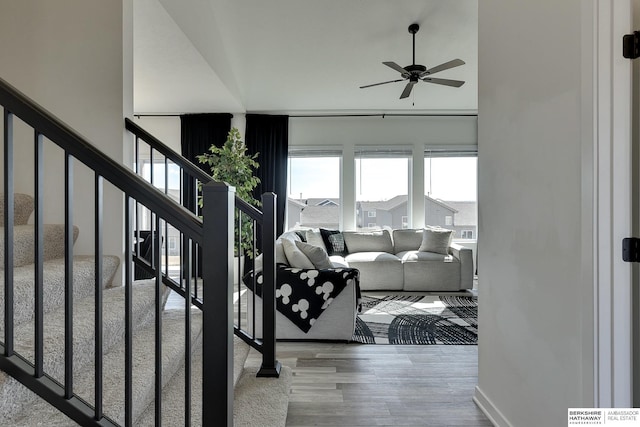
(407, 240)
(368, 241)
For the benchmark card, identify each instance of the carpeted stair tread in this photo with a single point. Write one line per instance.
(23, 206)
(240, 352)
(14, 397)
(24, 243)
(262, 401)
(43, 414)
(53, 284)
(173, 402)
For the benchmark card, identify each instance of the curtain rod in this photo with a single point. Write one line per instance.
(157, 115)
(383, 115)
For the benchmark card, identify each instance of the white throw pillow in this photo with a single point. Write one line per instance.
(435, 240)
(314, 238)
(296, 257)
(317, 255)
(281, 257)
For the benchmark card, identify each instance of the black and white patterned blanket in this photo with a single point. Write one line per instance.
(302, 295)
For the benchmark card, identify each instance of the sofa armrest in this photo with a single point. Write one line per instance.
(465, 256)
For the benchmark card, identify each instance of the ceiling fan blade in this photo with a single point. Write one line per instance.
(446, 82)
(407, 90)
(381, 83)
(442, 67)
(396, 67)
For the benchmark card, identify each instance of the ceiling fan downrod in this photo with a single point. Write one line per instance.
(413, 29)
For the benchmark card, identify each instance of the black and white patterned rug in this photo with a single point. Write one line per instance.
(424, 320)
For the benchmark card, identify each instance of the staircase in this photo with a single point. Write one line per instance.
(21, 407)
(75, 349)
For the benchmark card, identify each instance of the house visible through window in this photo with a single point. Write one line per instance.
(313, 188)
(382, 185)
(450, 185)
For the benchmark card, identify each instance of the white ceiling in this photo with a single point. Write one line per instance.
(299, 56)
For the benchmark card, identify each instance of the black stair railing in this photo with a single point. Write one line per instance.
(57, 387)
(149, 150)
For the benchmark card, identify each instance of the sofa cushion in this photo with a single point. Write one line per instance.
(334, 242)
(338, 261)
(368, 241)
(436, 240)
(378, 270)
(315, 238)
(417, 256)
(429, 271)
(407, 240)
(317, 255)
(295, 256)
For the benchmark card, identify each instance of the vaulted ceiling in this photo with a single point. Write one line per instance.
(299, 56)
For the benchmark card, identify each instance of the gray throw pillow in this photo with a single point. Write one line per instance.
(435, 240)
(297, 258)
(317, 255)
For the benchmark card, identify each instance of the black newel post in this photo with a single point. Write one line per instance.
(217, 345)
(270, 366)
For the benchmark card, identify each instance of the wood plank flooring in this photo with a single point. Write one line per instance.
(381, 385)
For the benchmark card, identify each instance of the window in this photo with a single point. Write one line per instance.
(313, 188)
(382, 185)
(452, 202)
(405, 221)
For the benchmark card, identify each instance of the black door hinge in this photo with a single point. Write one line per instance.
(631, 45)
(631, 249)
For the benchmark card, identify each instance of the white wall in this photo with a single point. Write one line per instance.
(75, 59)
(166, 129)
(536, 208)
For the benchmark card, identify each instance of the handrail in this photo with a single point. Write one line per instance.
(80, 148)
(216, 335)
(184, 163)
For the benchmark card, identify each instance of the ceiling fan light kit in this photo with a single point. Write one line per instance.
(416, 72)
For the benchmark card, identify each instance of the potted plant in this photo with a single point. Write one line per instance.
(232, 164)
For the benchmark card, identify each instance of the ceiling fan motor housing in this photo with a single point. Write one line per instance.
(415, 69)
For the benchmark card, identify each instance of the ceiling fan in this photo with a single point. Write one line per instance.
(416, 72)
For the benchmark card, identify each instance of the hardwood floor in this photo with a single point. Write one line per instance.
(381, 385)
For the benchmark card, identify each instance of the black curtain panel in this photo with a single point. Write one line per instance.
(269, 136)
(198, 133)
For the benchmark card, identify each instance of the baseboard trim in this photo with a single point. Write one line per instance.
(489, 409)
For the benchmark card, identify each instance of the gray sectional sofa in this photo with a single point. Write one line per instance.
(390, 260)
(386, 260)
